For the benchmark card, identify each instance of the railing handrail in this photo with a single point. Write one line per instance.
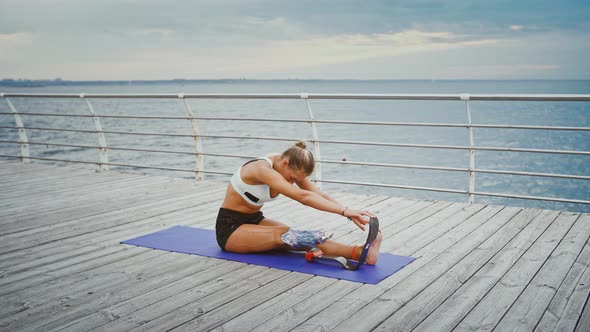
(343, 122)
(325, 161)
(199, 170)
(374, 96)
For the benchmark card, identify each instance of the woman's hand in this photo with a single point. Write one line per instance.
(358, 217)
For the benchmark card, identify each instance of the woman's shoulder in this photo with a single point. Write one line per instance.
(258, 164)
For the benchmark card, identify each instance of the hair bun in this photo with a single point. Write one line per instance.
(299, 157)
(301, 144)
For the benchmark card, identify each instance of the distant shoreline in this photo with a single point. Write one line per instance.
(59, 82)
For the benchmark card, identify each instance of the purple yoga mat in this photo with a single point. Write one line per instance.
(197, 241)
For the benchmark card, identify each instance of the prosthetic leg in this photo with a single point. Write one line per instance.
(304, 239)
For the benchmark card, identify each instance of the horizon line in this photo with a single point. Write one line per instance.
(60, 80)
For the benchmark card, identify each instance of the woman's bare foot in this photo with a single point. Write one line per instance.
(373, 253)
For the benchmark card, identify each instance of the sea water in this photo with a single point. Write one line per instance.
(566, 114)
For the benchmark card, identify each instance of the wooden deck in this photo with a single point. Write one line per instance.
(478, 268)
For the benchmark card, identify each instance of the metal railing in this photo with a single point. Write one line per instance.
(198, 153)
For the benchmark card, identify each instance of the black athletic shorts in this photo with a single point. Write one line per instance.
(229, 220)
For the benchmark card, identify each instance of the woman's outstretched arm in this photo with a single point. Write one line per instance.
(307, 184)
(312, 198)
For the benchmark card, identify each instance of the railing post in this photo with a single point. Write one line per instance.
(465, 98)
(103, 158)
(22, 133)
(199, 164)
(316, 142)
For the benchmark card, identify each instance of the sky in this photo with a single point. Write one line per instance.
(295, 39)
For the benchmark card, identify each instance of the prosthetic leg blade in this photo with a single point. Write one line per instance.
(373, 232)
(316, 254)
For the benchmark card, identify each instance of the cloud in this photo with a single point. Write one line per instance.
(11, 46)
(275, 56)
(152, 32)
(345, 48)
(16, 38)
(132, 39)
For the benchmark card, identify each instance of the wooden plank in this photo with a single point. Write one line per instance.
(57, 220)
(19, 168)
(91, 203)
(254, 316)
(346, 231)
(68, 212)
(416, 216)
(22, 181)
(404, 211)
(399, 236)
(564, 310)
(31, 206)
(530, 306)
(494, 305)
(268, 291)
(292, 317)
(348, 306)
(121, 222)
(147, 293)
(102, 237)
(584, 320)
(49, 300)
(47, 284)
(407, 217)
(48, 193)
(107, 220)
(5, 160)
(31, 172)
(285, 319)
(55, 183)
(27, 279)
(405, 290)
(98, 238)
(388, 211)
(430, 298)
(409, 244)
(24, 263)
(458, 305)
(481, 222)
(35, 185)
(110, 236)
(59, 181)
(40, 164)
(106, 190)
(182, 307)
(73, 247)
(396, 219)
(42, 292)
(195, 269)
(84, 190)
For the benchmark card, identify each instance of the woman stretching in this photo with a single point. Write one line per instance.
(242, 228)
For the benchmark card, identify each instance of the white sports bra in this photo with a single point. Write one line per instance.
(255, 194)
